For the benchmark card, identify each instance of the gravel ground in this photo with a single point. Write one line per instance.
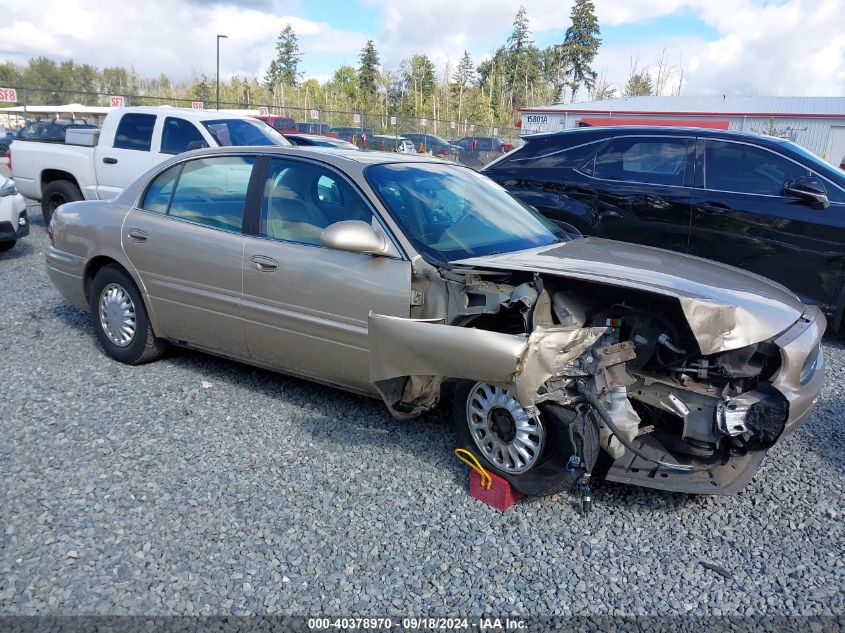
(199, 486)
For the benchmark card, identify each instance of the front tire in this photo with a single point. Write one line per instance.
(545, 471)
(7, 246)
(56, 194)
(120, 318)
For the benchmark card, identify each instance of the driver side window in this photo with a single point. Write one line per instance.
(741, 168)
(302, 199)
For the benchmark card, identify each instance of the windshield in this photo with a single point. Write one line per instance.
(229, 132)
(450, 212)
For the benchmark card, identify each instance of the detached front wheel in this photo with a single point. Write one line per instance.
(531, 452)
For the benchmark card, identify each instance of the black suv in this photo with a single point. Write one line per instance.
(756, 202)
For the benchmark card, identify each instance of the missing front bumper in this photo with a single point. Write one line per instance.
(723, 479)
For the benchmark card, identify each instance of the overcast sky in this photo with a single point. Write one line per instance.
(737, 47)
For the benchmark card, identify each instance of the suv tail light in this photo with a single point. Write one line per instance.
(9, 156)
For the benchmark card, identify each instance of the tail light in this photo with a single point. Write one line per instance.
(9, 156)
(50, 230)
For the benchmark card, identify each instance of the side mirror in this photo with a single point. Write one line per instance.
(809, 189)
(197, 145)
(354, 236)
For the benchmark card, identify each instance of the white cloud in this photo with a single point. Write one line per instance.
(761, 47)
(175, 37)
(796, 47)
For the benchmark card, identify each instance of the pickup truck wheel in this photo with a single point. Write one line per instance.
(532, 454)
(120, 318)
(57, 193)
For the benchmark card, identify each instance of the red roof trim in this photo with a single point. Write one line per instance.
(712, 124)
(626, 113)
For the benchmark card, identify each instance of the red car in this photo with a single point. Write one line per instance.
(283, 124)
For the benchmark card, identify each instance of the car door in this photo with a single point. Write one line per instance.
(306, 305)
(179, 135)
(128, 157)
(742, 218)
(639, 189)
(186, 243)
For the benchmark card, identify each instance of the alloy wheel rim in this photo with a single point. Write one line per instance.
(117, 315)
(502, 430)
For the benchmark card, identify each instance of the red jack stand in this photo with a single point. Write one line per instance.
(486, 486)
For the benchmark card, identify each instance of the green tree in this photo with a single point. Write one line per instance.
(345, 81)
(42, 78)
(10, 75)
(580, 46)
(639, 85)
(284, 69)
(462, 79)
(368, 73)
(522, 63)
(419, 81)
(201, 90)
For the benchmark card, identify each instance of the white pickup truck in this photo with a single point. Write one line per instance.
(96, 164)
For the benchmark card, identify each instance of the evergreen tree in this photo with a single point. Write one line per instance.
(639, 85)
(201, 90)
(463, 77)
(580, 46)
(284, 69)
(368, 73)
(522, 63)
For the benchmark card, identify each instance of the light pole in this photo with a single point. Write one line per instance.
(218, 68)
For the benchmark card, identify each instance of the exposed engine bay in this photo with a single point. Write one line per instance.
(669, 415)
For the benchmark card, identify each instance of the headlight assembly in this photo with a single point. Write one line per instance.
(810, 365)
(8, 189)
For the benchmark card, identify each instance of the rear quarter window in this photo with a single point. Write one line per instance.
(135, 131)
(547, 153)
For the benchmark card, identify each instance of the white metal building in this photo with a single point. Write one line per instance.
(815, 123)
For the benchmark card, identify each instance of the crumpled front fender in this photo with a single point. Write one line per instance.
(420, 350)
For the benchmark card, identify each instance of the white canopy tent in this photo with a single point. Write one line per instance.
(66, 111)
(69, 108)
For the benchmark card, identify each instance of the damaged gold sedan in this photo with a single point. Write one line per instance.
(415, 280)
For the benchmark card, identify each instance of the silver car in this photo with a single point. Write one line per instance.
(411, 279)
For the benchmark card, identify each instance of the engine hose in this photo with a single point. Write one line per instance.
(605, 416)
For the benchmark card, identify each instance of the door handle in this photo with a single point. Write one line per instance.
(264, 264)
(110, 161)
(137, 235)
(712, 208)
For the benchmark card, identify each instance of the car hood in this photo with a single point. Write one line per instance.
(726, 308)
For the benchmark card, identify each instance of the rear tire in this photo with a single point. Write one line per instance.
(57, 193)
(549, 473)
(120, 318)
(7, 246)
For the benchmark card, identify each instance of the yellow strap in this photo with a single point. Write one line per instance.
(472, 461)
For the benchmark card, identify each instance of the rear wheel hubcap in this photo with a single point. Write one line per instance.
(117, 315)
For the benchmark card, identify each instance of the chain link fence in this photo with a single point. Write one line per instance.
(473, 143)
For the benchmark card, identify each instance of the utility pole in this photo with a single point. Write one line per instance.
(218, 67)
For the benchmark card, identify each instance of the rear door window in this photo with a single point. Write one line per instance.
(178, 134)
(135, 131)
(212, 192)
(742, 168)
(158, 193)
(656, 161)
